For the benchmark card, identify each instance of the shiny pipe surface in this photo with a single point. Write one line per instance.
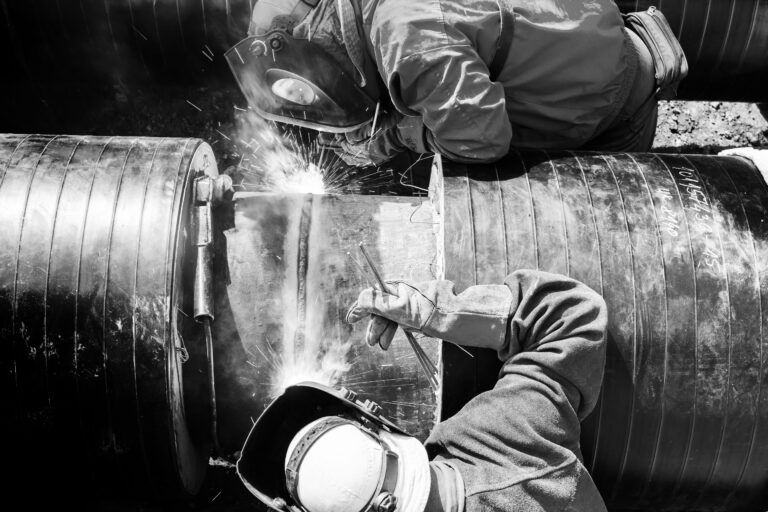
(293, 270)
(725, 43)
(130, 43)
(100, 353)
(678, 247)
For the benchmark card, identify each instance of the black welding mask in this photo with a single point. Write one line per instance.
(295, 81)
(292, 462)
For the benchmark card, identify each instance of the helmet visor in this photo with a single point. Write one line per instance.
(296, 82)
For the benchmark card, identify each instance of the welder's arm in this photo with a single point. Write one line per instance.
(556, 336)
(477, 317)
(434, 74)
(548, 324)
(519, 441)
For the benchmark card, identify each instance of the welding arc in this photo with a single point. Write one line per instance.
(426, 364)
(302, 267)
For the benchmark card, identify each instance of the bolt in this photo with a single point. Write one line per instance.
(384, 502)
(275, 43)
(349, 394)
(258, 48)
(372, 407)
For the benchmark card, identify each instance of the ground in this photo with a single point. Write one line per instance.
(708, 126)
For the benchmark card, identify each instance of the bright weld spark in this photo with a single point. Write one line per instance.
(220, 133)
(207, 56)
(290, 163)
(375, 118)
(139, 32)
(198, 108)
(239, 57)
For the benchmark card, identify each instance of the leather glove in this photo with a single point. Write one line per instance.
(477, 317)
(393, 134)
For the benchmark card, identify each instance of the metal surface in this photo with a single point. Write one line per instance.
(114, 41)
(95, 325)
(430, 370)
(678, 246)
(293, 270)
(128, 43)
(725, 42)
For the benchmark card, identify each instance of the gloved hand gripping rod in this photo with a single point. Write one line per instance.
(426, 364)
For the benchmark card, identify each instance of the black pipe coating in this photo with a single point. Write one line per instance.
(678, 247)
(134, 43)
(99, 352)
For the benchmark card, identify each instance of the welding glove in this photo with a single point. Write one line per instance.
(392, 134)
(477, 317)
(758, 157)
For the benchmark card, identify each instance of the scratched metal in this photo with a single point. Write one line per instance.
(292, 277)
(92, 243)
(677, 246)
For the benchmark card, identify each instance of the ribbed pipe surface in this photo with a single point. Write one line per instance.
(128, 43)
(93, 305)
(725, 42)
(119, 41)
(678, 246)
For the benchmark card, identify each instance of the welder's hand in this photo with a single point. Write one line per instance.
(392, 134)
(362, 148)
(759, 157)
(477, 317)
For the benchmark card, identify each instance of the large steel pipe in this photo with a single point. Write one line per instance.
(725, 42)
(103, 369)
(678, 246)
(95, 269)
(119, 41)
(134, 42)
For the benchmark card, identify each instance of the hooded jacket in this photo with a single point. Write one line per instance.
(567, 72)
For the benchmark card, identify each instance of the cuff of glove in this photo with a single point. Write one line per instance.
(410, 131)
(477, 317)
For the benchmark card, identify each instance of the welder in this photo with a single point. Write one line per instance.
(514, 447)
(469, 80)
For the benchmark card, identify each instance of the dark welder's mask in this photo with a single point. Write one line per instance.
(321, 449)
(298, 74)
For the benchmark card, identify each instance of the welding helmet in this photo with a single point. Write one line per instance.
(298, 81)
(321, 449)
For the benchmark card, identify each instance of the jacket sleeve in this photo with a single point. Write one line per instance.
(508, 441)
(433, 72)
(556, 335)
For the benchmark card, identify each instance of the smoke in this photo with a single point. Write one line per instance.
(271, 161)
(311, 351)
(326, 368)
(293, 162)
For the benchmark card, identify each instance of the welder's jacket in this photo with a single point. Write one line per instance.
(517, 445)
(564, 79)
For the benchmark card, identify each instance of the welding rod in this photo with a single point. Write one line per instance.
(426, 364)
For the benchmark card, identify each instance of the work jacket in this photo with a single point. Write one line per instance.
(516, 446)
(563, 79)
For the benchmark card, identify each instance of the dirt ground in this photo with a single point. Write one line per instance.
(708, 126)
